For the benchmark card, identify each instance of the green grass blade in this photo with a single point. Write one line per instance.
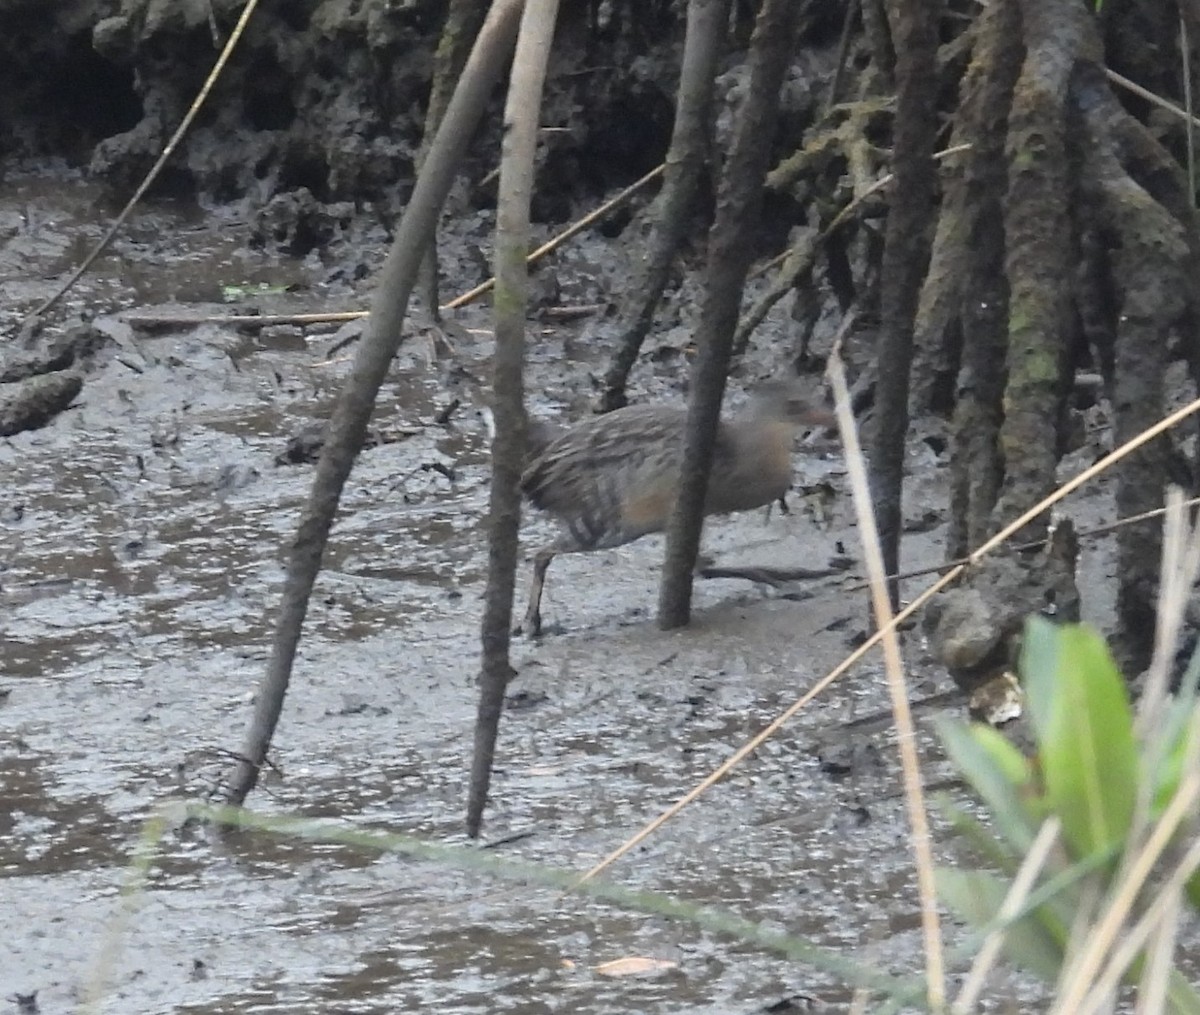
(909, 990)
(977, 897)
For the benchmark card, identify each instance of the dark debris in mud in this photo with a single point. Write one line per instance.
(54, 352)
(32, 403)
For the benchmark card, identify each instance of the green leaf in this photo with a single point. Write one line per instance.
(1084, 728)
(1058, 890)
(233, 293)
(1182, 997)
(977, 896)
(981, 837)
(998, 772)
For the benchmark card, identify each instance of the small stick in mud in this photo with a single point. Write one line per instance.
(778, 577)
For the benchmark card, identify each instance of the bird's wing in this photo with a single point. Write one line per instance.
(594, 459)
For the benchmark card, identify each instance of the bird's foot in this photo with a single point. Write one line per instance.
(530, 628)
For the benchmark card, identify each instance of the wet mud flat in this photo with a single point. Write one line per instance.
(144, 534)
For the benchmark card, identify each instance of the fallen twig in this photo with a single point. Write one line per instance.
(778, 576)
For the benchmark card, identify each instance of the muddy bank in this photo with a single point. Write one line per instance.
(143, 537)
(313, 128)
(144, 531)
(325, 98)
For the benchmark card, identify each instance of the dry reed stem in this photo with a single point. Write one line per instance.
(1101, 938)
(1095, 530)
(1185, 50)
(1090, 899)
(766, 733)
(1178, 573)
(1160, 956)
(1151, 97)
(770, 575)
(850, 208)
(557, 241)
(906, 733)
(144, 320)
(152, 175)
(1180, 567)
(1179, 570)
(1073, 484)
(1018, 892)
(776, 724)
(1135, 938)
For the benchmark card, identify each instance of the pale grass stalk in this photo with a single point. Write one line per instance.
(1180, 568)
(948, 578)
(1014, 901)
(1132, 943)
(906, 733)
(1090, 899)
(768, 731)
(1085, 969)
(1074, 483)
(765, 733)
(1180, 564)
(1185, 50)
(1160, 955)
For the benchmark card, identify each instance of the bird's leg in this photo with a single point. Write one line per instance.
(703, 560)
(533, 615)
